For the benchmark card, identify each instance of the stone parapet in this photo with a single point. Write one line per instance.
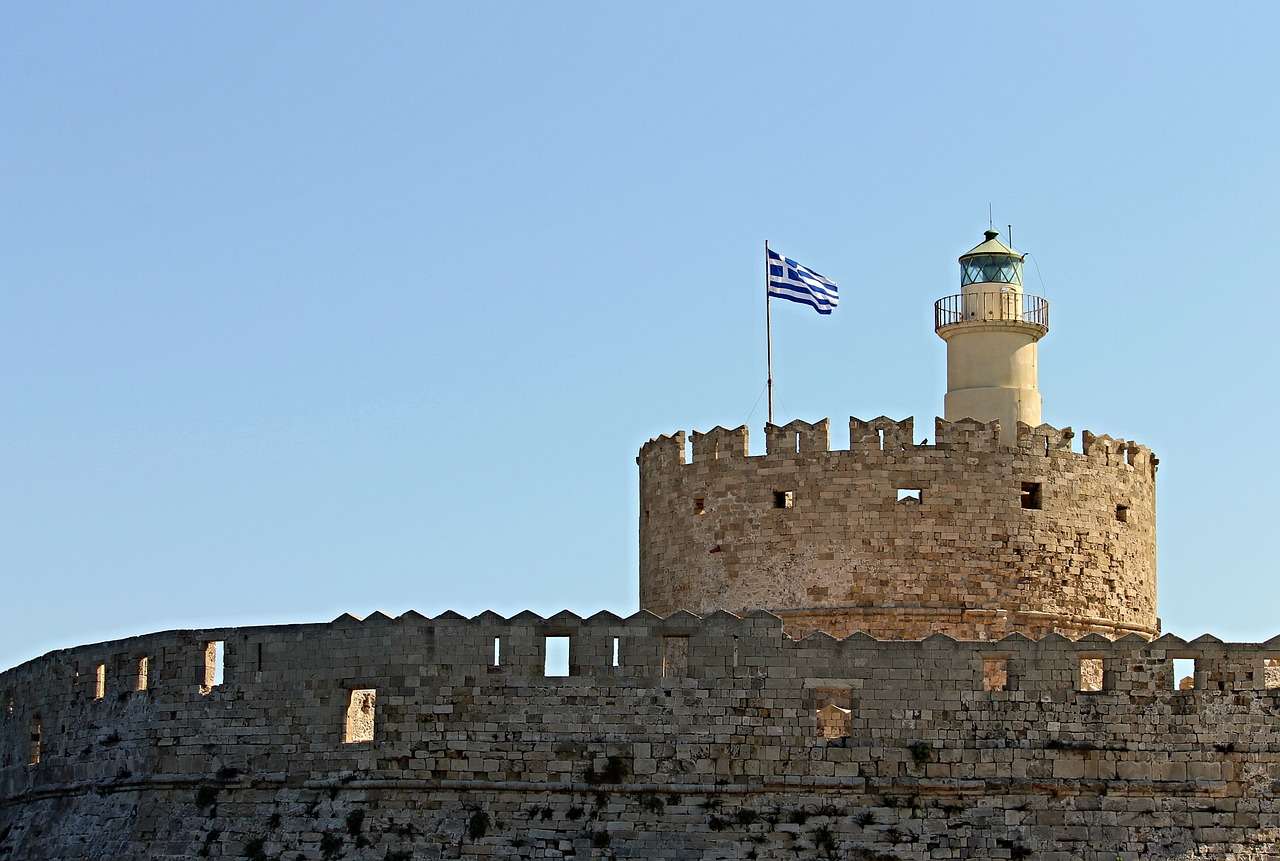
(963, 536)
(699, 734)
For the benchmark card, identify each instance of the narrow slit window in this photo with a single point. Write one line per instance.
(880, 438)
(557, 657)
(1091, 674)
(144, 671)
(361, 713)
(214, 670)
(497, 651)
(675, 657)
(259, 655)
(617, 651)
(1032, 497)
(735, 650)
(1122, 513)
(784, 499)
(1271, 673)
(995, 674)
(699, 505)
(1184, 674)
(37, 740)
(911, 495)
(99, 681)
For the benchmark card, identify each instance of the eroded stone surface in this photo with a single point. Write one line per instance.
(958, 555)
(727, 758)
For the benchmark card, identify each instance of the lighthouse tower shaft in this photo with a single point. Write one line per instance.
(992, 329)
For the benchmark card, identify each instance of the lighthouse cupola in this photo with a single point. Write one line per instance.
(992, 328)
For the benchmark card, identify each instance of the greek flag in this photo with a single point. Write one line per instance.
(789, 280)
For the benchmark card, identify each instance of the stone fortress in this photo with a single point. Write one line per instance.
(898, 650)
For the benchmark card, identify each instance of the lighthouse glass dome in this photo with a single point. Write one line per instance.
(990, 269)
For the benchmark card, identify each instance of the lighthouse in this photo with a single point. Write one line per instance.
(992, 329)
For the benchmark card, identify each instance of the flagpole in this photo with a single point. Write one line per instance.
(768, 333)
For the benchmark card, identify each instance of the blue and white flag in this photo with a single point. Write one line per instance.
(789, 280)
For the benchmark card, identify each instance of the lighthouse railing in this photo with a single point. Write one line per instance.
(1007, 306)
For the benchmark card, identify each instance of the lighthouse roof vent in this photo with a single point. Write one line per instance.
(990, 246)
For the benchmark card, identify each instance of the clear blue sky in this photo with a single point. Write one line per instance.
(312, 308)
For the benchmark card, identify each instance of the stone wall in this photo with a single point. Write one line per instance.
(703, 741)
(822, 539)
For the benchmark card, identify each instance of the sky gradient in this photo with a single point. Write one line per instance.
(321, 308)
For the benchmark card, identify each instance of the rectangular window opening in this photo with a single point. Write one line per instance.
(557, 657)
(797, 443)
(735, 650)
(361, 710)
(497, 651)
(880, 438)
(144, 671)
(1184, 674)
(784, 499)
(911, 495)
(1031, 495)
(833, 712)
(259, 656)
(1271, 673)
(214, 670)
(675, 657)
(617, 651)
(37, 738)
(1091, 672)
(995, 674)
(1122, 513)
(699, 505)
(99, 681)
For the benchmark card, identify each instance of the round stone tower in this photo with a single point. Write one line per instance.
(991, 328)
(1001, 525)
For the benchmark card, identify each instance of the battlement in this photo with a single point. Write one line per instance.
(963, 534)
(605, 649)
(717, 717)
(885, 434)
(798, 437)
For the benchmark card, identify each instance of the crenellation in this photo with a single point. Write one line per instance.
(1044, 438)
(462, 643)
(1118, 452)
(966, 435)
(881, 434)
(663, 451)
(746, 708)
(798, 437)
(822, 539)
(720, 444)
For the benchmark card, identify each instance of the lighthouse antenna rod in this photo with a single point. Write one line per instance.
(768, 333)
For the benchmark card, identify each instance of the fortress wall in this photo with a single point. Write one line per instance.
(961, 555)
(706, 730)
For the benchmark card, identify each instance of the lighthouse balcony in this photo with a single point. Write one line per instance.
(1003, 308)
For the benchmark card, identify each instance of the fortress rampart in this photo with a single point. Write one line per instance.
(964, 536)
(670, 737)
